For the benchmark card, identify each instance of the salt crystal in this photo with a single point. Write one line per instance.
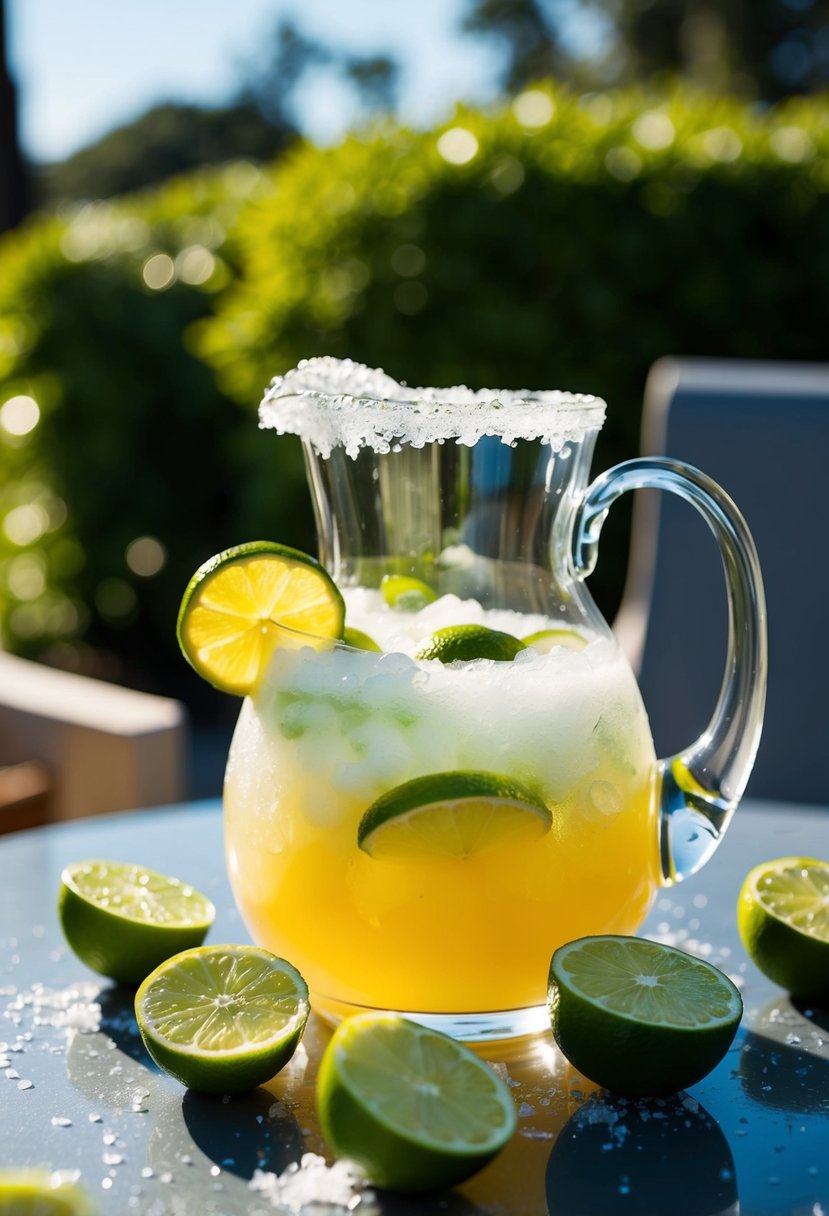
(25, 1085)
(60, 1121)
(311, 1181)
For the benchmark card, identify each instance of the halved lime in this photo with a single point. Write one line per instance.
(359, 640)
(122, 920)
(783, 918)
(546, 640)
(463, 643)
(638, 1017)
(243, 603)
(222, 1019)
(416, 1109)
(405, 593)
(451, 816)
(36, 1192)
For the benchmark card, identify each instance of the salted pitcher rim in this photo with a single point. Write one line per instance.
(331, 403)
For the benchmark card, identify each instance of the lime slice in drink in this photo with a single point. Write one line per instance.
(405, 593)
(546, 640)
(783, 918)
(123, 920)
(416, 1109)
(463, 643)
(222, 1019)
(451, 816)
(640, 1018)
(359, 640)
(31, 1192)
(243, 603)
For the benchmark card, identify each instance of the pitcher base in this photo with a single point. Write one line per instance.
(488, 1027)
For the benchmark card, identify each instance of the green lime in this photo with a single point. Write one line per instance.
(783, 918)
(640, 1018)
(358, 640)
(451, 816)
(546, 640)
(222, 1019)
(405, 593)
(463, 643)
(122, 920)
(416, 1109)
(35, 1192)
(243, 603)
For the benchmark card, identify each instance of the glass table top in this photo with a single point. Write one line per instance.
(80, 1093)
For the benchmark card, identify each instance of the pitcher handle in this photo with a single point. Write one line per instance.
(699, 788)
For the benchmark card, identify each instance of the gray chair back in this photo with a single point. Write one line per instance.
(761, 430)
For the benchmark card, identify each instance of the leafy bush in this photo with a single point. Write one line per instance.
(122, 467)
(564, 242)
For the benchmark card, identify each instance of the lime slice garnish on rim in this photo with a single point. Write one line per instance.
(451, 816)
(406, 593)
(463, 643)
(243, 603)
(783, 918)
(638, 1017)
(123, 920)
(34, 1192)
(416, 1109)
(222, 1019)
(546, 640)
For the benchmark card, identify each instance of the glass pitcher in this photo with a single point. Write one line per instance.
(418, 831)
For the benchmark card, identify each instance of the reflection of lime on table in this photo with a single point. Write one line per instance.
(29, 1192)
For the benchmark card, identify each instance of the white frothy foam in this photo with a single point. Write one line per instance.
(339, 403)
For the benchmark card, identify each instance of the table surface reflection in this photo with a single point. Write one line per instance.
(751, 1138)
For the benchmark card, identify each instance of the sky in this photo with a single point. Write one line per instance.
(85, 66)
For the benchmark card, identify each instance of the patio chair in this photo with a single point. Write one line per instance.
(760, 429)
(71, 746)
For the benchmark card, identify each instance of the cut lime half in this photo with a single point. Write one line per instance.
(406, 593)
(122, 920)
(465, 643)
(416, 1109)
(36, 1192)
(244, 602)
(222, 1019)
(546, 640)
(452, 816)
(638, 1017)
(783, 918)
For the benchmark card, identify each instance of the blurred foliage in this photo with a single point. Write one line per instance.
(122, 467)
(767, 49)
(167, 140)
(567, 241)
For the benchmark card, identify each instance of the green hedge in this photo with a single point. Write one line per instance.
(134, 442)
(562, 242)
